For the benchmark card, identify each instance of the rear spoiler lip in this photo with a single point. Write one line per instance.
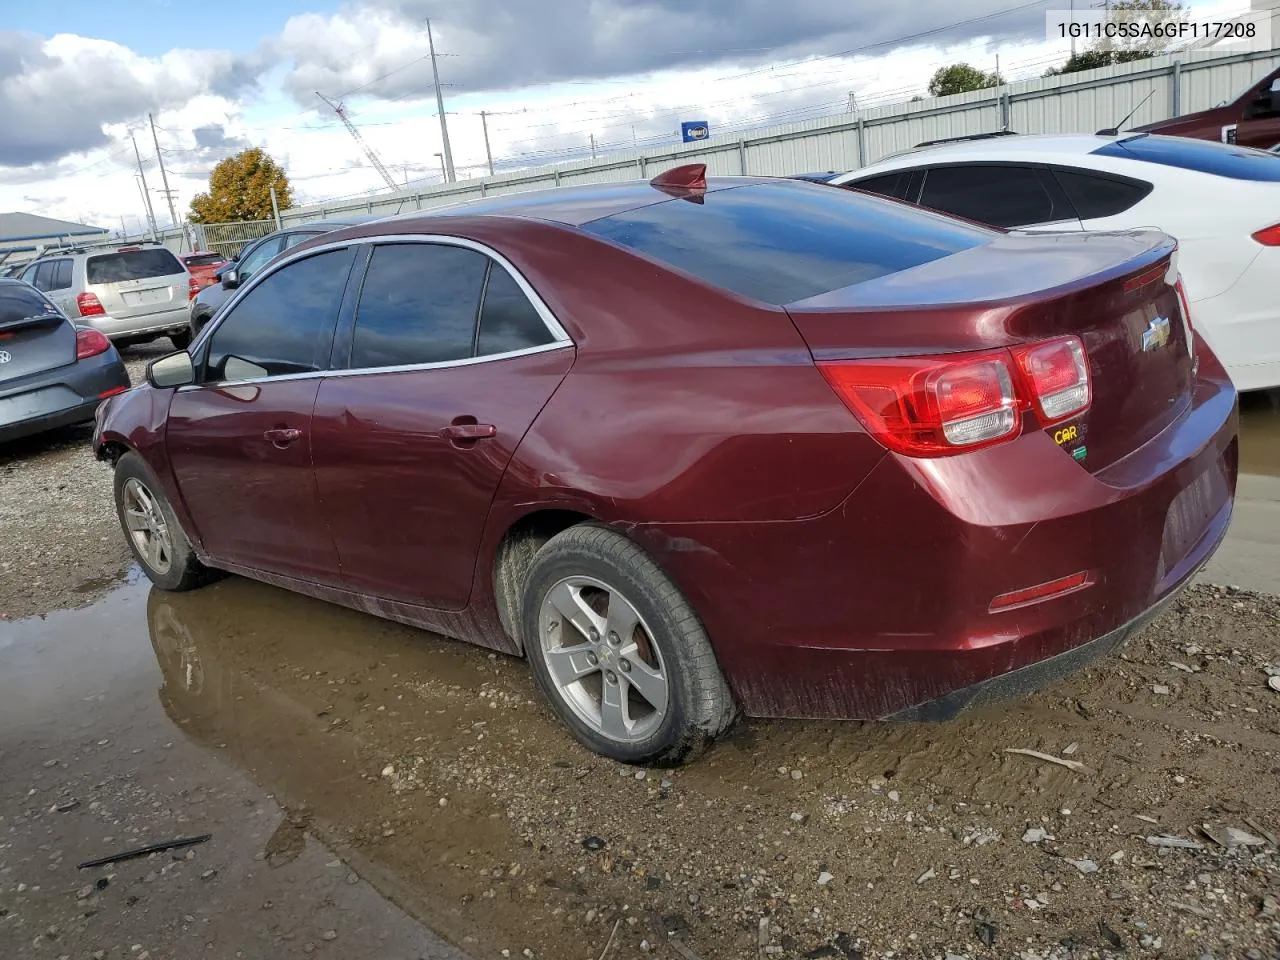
(33, 321)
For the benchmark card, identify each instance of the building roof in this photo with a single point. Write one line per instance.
(20, 227)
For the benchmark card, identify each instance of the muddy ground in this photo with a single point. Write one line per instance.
(432, 771)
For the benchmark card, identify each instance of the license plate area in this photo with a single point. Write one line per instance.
(142, 298)
(1189, 515)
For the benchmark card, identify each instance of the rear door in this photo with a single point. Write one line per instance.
(1006, 195)
(34, 336)
(137, 283)
(451, 359)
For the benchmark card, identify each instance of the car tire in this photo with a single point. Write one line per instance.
(180, 340)
(605, 687)
(153, 533)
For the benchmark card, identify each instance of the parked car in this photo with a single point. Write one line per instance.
(203, 265)
(13, 271)
(1251, 120)
(52, 373)
(696, 447)
(1222, 203)
(825, 177)
(132, 293)
(250, 260)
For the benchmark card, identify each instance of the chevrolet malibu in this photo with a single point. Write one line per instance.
(699, 447)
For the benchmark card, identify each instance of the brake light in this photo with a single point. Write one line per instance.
(90, 343)
(193, 287)
(930, 406)
(1057, 377)
(1269, 237)
(90, 305)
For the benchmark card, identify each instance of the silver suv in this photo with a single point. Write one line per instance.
(131, 293)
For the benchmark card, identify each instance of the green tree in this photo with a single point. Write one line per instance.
(240, 189)
(961, 78)
(1105, 52)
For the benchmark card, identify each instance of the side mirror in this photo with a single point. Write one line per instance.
(230, 279)
(175, 370)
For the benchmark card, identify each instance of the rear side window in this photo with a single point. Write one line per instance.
(508, 319)
(1095, 196)
(284, 324)
(293, 239)
(18, 303)
(418, 304)
(62, 275)
(888, 185)
(132, 265)
(44, 276)
(786, 241)
(1001, 195)
(1204, 156)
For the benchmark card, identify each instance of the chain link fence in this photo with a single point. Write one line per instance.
(228, 238)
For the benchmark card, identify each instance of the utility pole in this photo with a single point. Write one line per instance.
(484, 122)
(444, 124)
(593, 146)
(853, 102)
(146, 195)
(164, 177)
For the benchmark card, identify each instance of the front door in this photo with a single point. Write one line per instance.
(240, 440)
(450, 361)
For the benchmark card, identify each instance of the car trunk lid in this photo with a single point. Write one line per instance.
(1115, 291)
(137, 283)
(34, 336)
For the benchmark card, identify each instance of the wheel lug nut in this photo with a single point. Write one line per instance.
(611, 676)
(594, 634)
(625, 666)
(614, 639)
(592, 659)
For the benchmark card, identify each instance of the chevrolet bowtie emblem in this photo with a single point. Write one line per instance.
(1156, 335)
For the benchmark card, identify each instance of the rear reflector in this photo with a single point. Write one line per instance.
(1043, 591)
(90, 343)
(90, 305)
(1057, 377)
(112, 392)
(930, 406)
(1270, 237)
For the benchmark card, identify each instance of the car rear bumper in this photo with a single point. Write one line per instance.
(174, 320)
(883, 607)
(1242, 324)
(59, 397)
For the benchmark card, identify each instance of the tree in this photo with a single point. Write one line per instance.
(961, 78)
(1105, 52)
(240, 189)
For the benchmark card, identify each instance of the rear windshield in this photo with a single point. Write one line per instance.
(1204, 156)
(787, 241)
(204, 260)
(20, 302)
(134, 265)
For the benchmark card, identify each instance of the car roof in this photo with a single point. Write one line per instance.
(1031, 147)
(572, 206)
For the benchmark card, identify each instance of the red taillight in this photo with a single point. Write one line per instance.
(935, 406)
(193, 287)
(90, 343)
(1186, 315)
(112, 392)
(89, 305)
(1042, 591)
(1057, 376)
(930, 406)
(1270, 237)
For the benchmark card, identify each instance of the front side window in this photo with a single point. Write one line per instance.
(258, 257)
(62, 275)
(1001, 195)
(293, 239)
(44, 276)
(284, 324)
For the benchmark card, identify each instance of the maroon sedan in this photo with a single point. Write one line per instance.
(698, 447)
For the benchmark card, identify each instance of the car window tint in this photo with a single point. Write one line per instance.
(293, 239)
(508, 319)
(887, 185)
(1096, 196)
(18, 302)
(787, 241)
(1003, 196)
(257, 257)
(418, 305)
(132, 265)
(44, 276)
(283, 324)
(30, 274)
(62, 275)
(1205, 156)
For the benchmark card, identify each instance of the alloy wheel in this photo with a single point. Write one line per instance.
(145, 522)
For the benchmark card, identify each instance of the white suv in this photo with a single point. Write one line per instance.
(131, 293)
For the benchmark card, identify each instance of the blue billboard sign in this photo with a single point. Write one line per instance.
(692, 130)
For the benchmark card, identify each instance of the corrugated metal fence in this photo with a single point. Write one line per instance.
(1076, 103)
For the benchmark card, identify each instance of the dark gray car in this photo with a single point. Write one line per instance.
(252, 258)
(52, 373)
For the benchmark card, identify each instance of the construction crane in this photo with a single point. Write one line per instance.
(368, 150)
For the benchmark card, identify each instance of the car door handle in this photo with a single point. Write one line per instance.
(469, 431)
(282, 435)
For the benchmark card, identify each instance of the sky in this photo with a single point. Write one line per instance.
(78, 78)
